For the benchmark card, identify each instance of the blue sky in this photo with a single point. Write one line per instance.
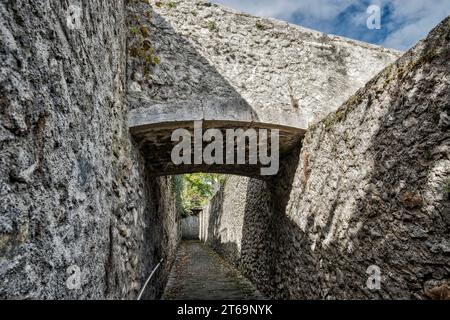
(403, 22)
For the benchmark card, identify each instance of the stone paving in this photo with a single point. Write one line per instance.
(200, 273)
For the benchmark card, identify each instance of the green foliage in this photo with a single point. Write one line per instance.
(140, 46)
(212, 27)
(259, 25)
(170, 4)
(196, 189)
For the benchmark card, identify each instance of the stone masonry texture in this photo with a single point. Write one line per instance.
(190, 228)
(192, 60)
(201, 274)
(368, 186)
(83, 217)
(73, 187)
(216, 63)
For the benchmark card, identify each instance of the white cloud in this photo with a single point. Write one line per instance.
(283, 9)
(416, 18)
(409, 21)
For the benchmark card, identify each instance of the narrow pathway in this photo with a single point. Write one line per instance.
(200, 273)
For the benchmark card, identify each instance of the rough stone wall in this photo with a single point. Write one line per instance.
(73, 189)
(215, 63)
(370, 186)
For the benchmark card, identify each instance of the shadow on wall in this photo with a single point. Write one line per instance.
(408, 207)
(183, 86)
(162, 236)
(182, 75)
(270, 240)
(190, 228)
(368, 187)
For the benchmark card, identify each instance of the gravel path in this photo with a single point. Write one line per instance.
(200, 273)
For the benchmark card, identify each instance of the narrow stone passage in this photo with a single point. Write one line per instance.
(200, 273)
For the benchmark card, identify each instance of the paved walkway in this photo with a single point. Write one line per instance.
(200, 273)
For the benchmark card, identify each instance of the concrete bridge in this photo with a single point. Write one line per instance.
(233, 70)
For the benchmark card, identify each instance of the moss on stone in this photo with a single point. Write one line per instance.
(341, 114)
(212, 26)
(171, 4)
(259, 25)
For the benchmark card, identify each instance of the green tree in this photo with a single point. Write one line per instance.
(196, 189)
